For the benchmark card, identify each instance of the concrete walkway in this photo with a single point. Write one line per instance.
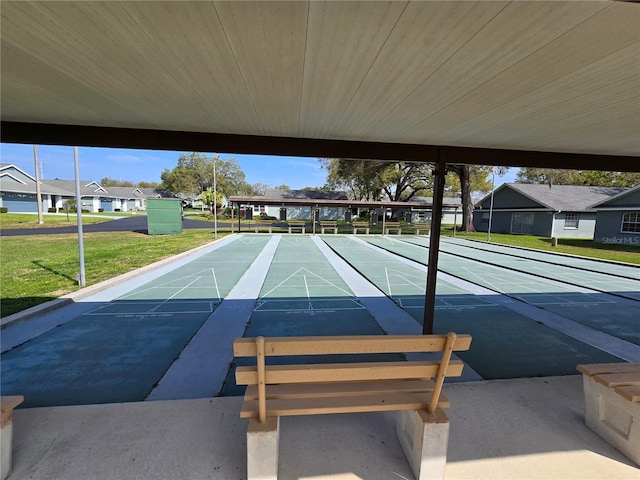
(502, 429)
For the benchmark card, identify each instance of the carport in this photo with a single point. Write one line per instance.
(491, 83)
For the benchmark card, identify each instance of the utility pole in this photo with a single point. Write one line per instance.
(215, 199)
(38, 192)
(81, 278)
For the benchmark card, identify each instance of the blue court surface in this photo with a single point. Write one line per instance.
(530, 314)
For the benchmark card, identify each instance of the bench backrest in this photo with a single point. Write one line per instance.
(262, 375)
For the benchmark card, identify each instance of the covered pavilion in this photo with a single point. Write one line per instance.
(491, 83)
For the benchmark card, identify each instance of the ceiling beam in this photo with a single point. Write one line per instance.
(88, 136)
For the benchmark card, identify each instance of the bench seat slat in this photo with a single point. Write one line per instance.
(327, 405)
(344, 372)
(618, 379)
(302, 390)
(327, 345)
(630, 392)
(599, 368)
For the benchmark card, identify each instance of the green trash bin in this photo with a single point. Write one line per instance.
(164, 216)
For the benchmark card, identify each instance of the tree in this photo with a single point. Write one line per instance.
(594, 178)
(208, 198)
(470, 178)
(148, 184)
(374, 179)
(260, 188)
(195, 173)
(402, 181)
(282, 187)
(112, 182)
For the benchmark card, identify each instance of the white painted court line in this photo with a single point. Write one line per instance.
(302, 269)
(215, 279)
(202, 367)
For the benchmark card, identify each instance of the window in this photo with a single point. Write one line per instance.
(630, 222)
(522, 223)
(571, 220)
(485, 218)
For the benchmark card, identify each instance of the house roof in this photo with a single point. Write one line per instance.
(562, 197)
(306, 194)
(466, 82)
(87, 187)
(603, 203)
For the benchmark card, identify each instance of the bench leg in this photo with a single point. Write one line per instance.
(7, 404)
(612, 417)
(424, 439)
(262, 449)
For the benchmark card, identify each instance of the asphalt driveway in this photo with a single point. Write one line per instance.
(128, 224)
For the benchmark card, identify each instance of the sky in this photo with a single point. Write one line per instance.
(147, 165)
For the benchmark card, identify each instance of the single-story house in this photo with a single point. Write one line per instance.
(18, 193)
(618, 218)
(301, 212)
(562, 211)
(299, 204)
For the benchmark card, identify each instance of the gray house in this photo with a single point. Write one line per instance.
(563, 211)
(618, 218)
(18, 193)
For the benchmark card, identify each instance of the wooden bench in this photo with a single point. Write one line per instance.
(346, 387)
(392, 226)
(7, 405)
(422, 226)
(297, 225)
(333, 225)
(360, 226)
(270, 226)
(612, 404)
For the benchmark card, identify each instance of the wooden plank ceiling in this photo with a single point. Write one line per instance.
(536, 76)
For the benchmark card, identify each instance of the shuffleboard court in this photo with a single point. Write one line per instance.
(611, 268)
(606, 313)
(624, 287)
(117, 351)
(505, 344)
(303, 295)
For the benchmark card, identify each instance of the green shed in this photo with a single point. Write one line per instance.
(164, 216)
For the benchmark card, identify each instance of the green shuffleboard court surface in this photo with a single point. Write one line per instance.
(612, 315)
(303, 295)
(118, 351)
(505, 344)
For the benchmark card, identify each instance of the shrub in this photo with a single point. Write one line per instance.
(100, 210)
(4, 210)
(52, 210)
(116, 209)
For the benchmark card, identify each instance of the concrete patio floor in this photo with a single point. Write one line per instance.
(502, 429)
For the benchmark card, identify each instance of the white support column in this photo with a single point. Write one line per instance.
(7, 404)
(262, 449)
(424, 439)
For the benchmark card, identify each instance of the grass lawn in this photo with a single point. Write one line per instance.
(27, 220)
(585, 248)
(39, 268)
